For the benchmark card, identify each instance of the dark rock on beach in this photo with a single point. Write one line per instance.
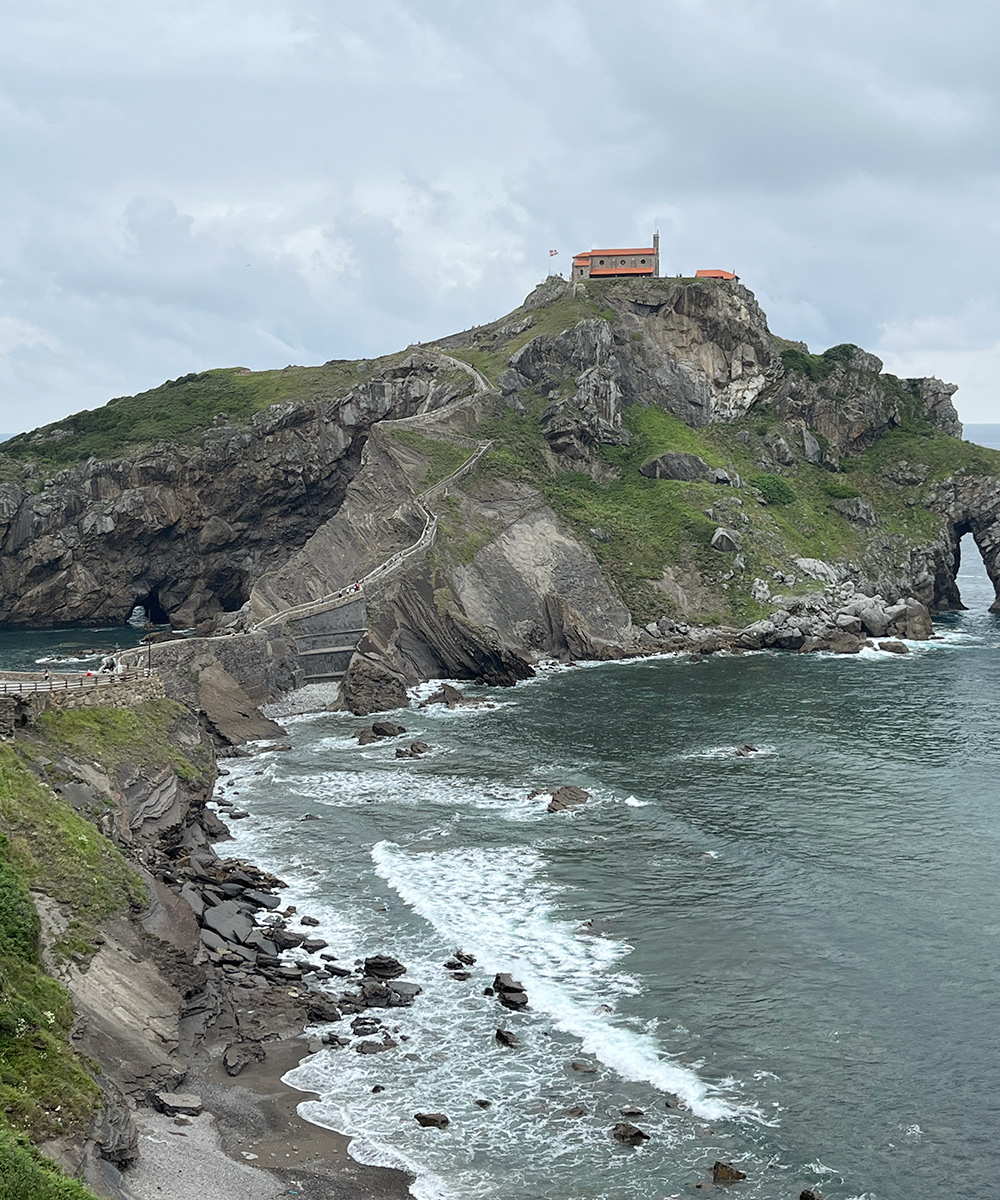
(240, 1054)
(509, 1040)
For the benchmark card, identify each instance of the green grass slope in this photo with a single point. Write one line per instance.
(181, 410)
(46, 1089)
(639, 528)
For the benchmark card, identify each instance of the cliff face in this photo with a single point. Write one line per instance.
(185, 531)
(655, 455)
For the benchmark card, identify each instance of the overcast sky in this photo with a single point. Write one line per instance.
(203, 183)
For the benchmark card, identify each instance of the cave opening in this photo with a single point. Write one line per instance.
(151, 608)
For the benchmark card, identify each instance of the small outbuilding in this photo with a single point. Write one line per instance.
(716, 275)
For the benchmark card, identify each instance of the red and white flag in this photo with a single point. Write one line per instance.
(553, 253)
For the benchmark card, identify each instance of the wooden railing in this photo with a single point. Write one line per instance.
(65, 683)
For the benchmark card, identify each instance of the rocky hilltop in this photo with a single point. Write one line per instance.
(614, 467)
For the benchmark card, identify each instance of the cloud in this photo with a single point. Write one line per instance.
(210, 182)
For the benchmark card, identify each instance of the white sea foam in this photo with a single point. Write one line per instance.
(729, 752)
(494, 903)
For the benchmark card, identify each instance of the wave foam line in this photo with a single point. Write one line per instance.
(492, 903)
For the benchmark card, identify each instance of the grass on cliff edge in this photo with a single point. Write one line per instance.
(181, 410)
(140, 735)
(45, 1088)
(28, 1176)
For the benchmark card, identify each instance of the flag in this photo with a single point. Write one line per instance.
(553, 253)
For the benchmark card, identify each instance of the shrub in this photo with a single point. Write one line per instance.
(774, 489)
(837, 490)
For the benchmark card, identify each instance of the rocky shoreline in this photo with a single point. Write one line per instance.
(267, 981)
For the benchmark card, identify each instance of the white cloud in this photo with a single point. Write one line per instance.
(206, 182)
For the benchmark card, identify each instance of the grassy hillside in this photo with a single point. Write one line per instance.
(46, 1089)
(639, 527)
(181, 410)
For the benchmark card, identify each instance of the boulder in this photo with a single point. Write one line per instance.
(371, 686)
(688, 468)
(811, 448)
(369, 1047)
(504, 1037)
(387, 729)
(848, 622)
(857, 511)
(431, 1120)
(383, 966)
(728, 541)
(261, 899)
(321, 1008)
(628, 1134)
(238, 1055)
(446, 694)
(726, 1173)
(313, 945)
(229, 921)
(284, 939)
(745, 750)
(893, 647)
(175, 1104)
(567, 797)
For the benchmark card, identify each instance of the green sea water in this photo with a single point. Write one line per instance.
(789, 962)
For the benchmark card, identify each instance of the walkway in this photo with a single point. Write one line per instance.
(30, 683)
(326, 652)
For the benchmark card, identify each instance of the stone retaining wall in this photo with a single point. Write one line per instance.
(24, 710)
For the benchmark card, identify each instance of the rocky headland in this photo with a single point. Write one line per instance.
(616, 468)
(621, 469)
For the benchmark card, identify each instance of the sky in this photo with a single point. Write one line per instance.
(202, 183)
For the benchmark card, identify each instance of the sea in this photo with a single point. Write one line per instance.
(789, 962)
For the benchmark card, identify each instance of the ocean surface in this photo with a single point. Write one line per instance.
(790, 962)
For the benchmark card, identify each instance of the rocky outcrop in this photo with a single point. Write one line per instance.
(963, 504)
(184, 531)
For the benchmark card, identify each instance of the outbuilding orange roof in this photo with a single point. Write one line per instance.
(714, 275)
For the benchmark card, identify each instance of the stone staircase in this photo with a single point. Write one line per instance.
(327, 631)
(326, 640)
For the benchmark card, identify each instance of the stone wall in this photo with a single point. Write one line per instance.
(20, 710)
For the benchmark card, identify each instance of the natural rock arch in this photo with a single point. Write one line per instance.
(965, 505)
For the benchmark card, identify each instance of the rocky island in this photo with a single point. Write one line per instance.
(618, 468)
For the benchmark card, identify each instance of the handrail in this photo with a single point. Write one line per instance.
(66, 683)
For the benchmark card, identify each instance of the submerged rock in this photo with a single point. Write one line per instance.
(431, 1120)
(726, 1173)
(629, 1134)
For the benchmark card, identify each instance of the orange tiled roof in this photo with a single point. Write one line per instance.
(611, 253)
(714, 275)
